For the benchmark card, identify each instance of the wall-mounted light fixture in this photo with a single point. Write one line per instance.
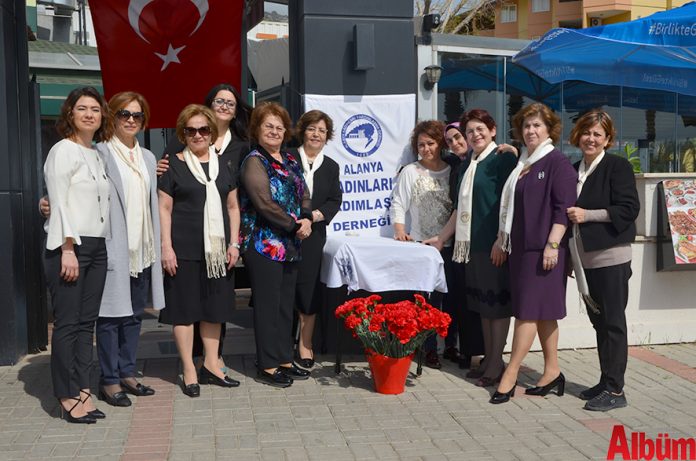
(432, 76)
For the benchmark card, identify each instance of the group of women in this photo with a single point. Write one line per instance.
(506, 226)
(514, 225)
(116, 235)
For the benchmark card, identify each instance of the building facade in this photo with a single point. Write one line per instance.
(530, 19)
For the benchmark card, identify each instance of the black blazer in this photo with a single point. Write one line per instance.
(612, 186)
(457, 169)
(326, 194)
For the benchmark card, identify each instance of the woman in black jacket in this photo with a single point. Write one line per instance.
(314, 130)
(603, 229)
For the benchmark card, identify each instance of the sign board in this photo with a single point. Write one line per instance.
(677, 229)
(370, 143)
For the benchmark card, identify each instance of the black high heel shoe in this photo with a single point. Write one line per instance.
(502, 397)
(96, 413)
(558, 384)
(67, 414)
(205, 376)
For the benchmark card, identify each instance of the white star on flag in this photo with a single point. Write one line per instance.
(170, 57)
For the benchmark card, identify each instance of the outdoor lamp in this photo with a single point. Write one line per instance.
(432, 74)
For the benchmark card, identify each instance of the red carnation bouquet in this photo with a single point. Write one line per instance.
(394, 330)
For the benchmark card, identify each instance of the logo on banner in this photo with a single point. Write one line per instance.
(361, 135)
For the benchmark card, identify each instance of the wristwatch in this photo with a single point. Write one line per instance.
(552, 245)
(234, 244)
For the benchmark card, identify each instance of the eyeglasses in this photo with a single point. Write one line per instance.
(124, 115)
(314, 129)
(190, 131)
(269, 127)
(224, 102)
(478, 130)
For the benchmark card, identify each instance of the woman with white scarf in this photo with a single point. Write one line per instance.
(231, 119)
(321, 173)
(200, 220)
(135, 269)
(475, 227)
(532, 226)
(603, 229)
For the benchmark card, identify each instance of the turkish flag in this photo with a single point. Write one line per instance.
(170, 51)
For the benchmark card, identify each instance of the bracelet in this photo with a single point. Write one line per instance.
(234, 244)
(69, 252)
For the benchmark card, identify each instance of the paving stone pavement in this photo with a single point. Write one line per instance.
(440, 416)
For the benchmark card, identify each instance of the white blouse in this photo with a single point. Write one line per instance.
(423, 195)
(79, 193)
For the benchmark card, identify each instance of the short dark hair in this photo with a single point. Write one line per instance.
(265, 109)
(240, 122)
(191, 111)
(431, 128)
(481, 115)
(589, 120)
(309, 118)
(549, 117)
(65, 125)
(122, 99)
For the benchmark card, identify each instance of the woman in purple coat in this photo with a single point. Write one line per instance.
(533, 222)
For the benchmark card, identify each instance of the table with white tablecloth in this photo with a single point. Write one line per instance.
(378, 264)
(357, 266)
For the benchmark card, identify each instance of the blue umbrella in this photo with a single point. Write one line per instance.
(657, 52)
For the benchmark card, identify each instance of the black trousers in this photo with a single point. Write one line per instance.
(273, 290)
(447, 302)
(75, 310)
(117, 337)
(609, 288)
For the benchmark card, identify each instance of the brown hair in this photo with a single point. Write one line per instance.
(481, 115)
(191, 111)
(312, 117)
(589, 120)
(266, 109)
(65, 125)
(122, 99)
(548, 116)
(432, 128)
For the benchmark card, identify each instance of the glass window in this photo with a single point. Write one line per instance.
(508, 13)
(472, 81)
(539, 6)
(686, 134)
(581, 97)
(649, 122)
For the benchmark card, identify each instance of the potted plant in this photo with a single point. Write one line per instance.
(391, 333)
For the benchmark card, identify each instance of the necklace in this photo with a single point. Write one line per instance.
(94, 178)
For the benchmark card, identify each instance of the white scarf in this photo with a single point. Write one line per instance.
(213, 223)
(507, 198)
(462, 244)
(310, 169)
(141, 241)
(225, 142)
(583, 173)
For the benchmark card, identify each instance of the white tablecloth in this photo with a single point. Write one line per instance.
(380, 264)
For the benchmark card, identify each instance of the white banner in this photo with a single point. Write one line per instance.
(371, 142)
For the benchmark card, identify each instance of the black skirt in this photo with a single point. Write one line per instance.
(190, 296)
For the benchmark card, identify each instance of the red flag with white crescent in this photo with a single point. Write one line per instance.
(170, 51)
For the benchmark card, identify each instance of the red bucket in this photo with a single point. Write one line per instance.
(388, 374)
